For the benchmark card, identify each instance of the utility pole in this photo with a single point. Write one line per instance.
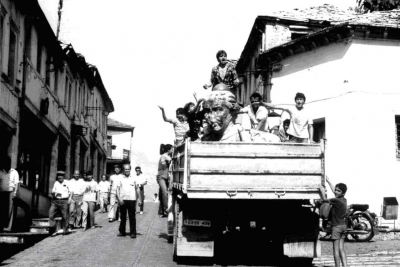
(60, 6)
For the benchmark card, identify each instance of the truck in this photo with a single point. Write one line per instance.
(247, 198)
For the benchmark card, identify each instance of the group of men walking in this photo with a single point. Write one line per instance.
(76, 199)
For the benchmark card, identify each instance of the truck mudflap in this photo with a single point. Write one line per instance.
(302, 246)
(193, 236)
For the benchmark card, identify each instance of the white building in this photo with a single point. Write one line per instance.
(348, 70)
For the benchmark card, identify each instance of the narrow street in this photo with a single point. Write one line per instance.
(102, 247)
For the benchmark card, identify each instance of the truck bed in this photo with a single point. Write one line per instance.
(243, 170)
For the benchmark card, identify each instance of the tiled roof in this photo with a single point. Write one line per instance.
(114, 123)
(334, 15)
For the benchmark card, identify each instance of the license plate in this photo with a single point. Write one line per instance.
(197, 223)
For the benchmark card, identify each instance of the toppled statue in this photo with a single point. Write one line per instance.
(220, 111)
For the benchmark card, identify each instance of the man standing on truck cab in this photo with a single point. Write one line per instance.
(224, 73)
(301, 125)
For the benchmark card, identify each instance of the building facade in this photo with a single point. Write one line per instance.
(53, 104)
(347, 70)
(119, 143)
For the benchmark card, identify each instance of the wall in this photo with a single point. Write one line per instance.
(122, 140)
(360, 126)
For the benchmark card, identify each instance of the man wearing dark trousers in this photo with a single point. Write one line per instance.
(61, 200)
(126, 194)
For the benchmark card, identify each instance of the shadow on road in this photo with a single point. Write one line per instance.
(163, 235)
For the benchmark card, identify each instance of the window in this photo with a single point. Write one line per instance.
(56, 73)
(66, 92)
(397, 122)
(48, 70)
(1, 30)
(319, 130)
(69, 96)
(12, 56)
(79, 102)
(39, 56)
(83, 98)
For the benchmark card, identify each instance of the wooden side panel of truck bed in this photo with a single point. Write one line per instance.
(249, 170)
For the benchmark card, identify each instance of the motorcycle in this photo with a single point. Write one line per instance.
(361, 223)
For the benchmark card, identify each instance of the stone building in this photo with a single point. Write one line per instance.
(346, 64)
(53, 104)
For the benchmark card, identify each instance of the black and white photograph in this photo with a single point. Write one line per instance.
(199, 133)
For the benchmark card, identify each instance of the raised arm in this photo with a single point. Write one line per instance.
(163, 114)
(330, 184)
(274, 106)
(243, 110)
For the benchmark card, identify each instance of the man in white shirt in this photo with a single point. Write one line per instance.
(104, 193)
(9, 185)
(77, 187)
(301, 125)
(114, 181)
(141, 181)
(90, 199)
(60, 202)
(256, 113)
(126, 193)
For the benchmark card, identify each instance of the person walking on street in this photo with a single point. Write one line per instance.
(114, 181)
(61, 198)
(90, 198)
(104, 193)
(162, 177)
(141, 182)
(9, 186)
(77, 186)
(126, 193)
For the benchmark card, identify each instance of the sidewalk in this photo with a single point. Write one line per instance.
(95, 247)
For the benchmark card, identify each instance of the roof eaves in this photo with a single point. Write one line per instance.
(303, 44)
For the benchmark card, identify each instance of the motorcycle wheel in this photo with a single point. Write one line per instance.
(361, 221)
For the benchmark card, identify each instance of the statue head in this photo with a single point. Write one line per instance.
(221, 87)
(220, 109)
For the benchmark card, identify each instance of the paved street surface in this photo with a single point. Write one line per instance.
(102, 247)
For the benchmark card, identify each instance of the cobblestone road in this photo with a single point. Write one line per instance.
(102, 247)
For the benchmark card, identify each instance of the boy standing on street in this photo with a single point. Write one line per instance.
(337, 220)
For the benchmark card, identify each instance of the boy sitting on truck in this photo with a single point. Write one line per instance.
(337, 220)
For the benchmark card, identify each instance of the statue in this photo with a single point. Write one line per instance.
(220, 111)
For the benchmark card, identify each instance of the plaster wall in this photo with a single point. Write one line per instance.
(122, 140)
(355, 86)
